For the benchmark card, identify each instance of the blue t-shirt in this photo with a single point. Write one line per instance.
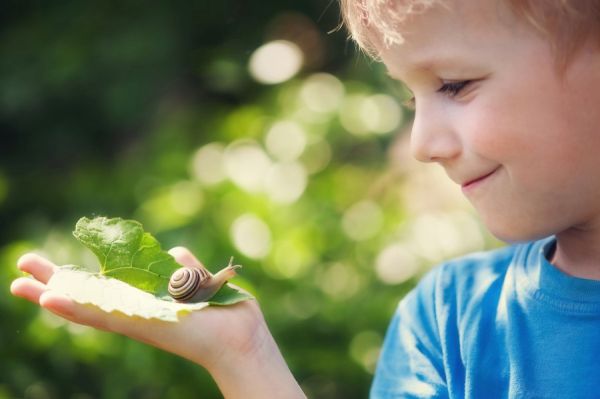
(500, 324)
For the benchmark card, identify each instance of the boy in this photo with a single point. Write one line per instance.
(504, 95)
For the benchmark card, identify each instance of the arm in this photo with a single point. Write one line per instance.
(411, 361)
(233, 343)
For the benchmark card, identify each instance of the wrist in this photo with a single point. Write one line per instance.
(259, 371)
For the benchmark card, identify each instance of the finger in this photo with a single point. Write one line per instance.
(184, 257)
(93, 316)
(28, 288)
(39, 267)
(77, 313)
(57, 303)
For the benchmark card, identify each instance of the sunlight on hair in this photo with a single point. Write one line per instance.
(285, 182)
(375, 23)
(251, 236)
(275, 62)
(206, 164)
(395, 264)
(362, 220)
(322, 93)
(246, 164)
(285, 140)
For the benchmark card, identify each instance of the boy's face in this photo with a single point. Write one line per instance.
(491, 108)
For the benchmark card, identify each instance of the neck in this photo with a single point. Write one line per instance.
(578, 253)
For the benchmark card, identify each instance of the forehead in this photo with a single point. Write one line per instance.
(450, 30)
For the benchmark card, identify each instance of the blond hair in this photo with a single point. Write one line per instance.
(565, 23)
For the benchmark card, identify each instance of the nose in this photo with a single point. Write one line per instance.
(433, 138)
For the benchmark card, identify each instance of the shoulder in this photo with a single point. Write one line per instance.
(463, 281)
(476, 270)
(470, 270)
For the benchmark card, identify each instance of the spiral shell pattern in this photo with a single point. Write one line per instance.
(186, 281)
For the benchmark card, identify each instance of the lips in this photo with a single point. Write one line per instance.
(474, 182)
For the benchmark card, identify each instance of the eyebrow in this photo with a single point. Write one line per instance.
(430, 63)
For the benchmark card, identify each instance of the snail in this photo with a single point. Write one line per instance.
(197, 284)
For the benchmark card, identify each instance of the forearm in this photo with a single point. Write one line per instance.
(258, 375)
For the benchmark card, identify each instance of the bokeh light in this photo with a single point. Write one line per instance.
(251, 236)
(207, 164)
(292, 156)
(395, 264)
(381, 113)
(438, 236)
(275, 62)
(317, 155)
(302, 31)
(322, 92)
(300, 304)
(339, 281)
(246, 164)
(291, 258)
(363, 114)
(285, 140)
(172, 206)
(362, 220)
(187, 198)
(285, 182)
(364, 349)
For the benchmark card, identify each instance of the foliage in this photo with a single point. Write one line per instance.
(150, 111)
(133, 273)
(125, 251)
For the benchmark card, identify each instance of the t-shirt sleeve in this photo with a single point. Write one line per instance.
(411, 364)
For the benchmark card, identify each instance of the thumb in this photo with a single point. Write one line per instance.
(184, 257)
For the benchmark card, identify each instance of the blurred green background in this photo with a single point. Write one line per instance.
(233, 128)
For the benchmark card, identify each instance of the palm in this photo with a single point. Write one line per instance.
(202, 336)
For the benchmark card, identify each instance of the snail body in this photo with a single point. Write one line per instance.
(197, 284)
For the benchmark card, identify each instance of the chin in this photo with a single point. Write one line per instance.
(517, 233)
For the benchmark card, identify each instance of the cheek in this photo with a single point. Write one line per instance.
(523, 126)
(488, 132)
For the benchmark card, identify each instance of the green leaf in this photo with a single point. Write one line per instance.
(113, 295)
(134, 273)
(127, 253)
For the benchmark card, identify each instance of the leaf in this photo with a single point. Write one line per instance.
(127, 253)
(113, 295)
(134, 273)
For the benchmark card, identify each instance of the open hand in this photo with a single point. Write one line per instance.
(232, 342)
(202, 336)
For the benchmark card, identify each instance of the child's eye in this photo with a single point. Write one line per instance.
(450, 89)
(453, 88)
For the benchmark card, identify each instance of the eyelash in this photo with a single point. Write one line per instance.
(450, 89)
(453, 88)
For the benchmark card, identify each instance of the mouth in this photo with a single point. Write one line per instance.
(477, 181)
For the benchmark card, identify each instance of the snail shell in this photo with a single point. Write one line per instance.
(196, 284)
(186, 281)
